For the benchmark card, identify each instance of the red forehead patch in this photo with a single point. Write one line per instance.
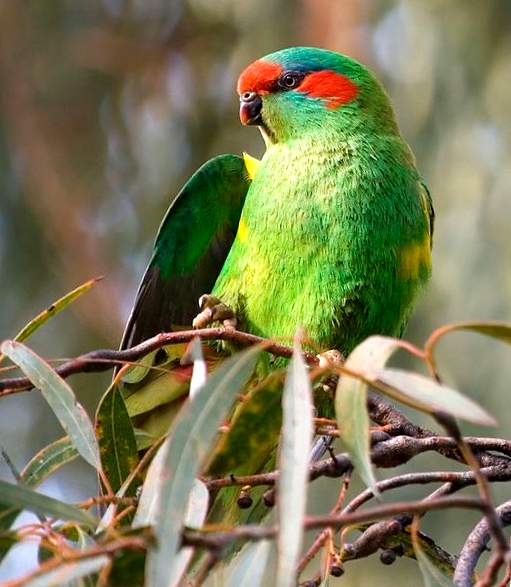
(259, 77)
(333, 87)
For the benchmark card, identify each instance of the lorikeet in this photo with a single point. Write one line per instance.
(330, 231)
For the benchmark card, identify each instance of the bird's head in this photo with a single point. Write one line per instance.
(304, 89)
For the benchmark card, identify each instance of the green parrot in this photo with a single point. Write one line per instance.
(331, 231)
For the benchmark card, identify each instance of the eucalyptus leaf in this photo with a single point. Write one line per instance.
(164, 388)
(8, 515)
(7, 541)
(116, 438)
(48, 460)
(295, 448)
(431, 576)
(143, 439)
(192, 435)
(83, 541)
(68, 572)
(42, 465)
(498, 330)
(429, 396)
(147, 510)
(195, 516)
(353, 421)
(27, 499)
(137, 372)
(350, 402)
(200, 370)
(249, 566)
(53, 309)
(60, 397)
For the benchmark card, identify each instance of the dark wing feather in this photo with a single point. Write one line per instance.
(191, 246)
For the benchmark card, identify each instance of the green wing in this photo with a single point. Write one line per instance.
(428, 208)
(191, 246)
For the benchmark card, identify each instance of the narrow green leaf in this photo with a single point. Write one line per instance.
(147, 510)
(195, 516)
(143, 439)
(27, 499)
(8, 515)
(127, 570)
(163, 389)
(350, 402)
(498, 330)
(431, 576)
(60, 397)
(68, 572)
(200, 370)
(351, 410)
(83, 541)
(137, 372)
(53, 309)
(294, 457)
(16, 474)
(250, 565)
(41, 466)
(192, 435)
(116, 438)
(7, 541)
(48, 460)
(429, 396)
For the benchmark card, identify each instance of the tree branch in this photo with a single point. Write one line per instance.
(475, 544)
(219, 539)
(104, 359)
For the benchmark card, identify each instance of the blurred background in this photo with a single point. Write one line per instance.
(107, 107)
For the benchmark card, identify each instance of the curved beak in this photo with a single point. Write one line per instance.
(250, 108)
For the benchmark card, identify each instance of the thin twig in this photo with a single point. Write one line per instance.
(218, 539)
(132, 543)
(102, 360)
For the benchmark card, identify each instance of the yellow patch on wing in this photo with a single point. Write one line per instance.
(242, 234)
(415, 257)
(251, 165)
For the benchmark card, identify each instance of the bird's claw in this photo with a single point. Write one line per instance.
(331, 358)
(212, 309)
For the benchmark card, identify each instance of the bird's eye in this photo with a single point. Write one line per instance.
(290, 80)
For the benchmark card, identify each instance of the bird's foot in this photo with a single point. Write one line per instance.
(331, 358)
(330, 361)
(212, 309)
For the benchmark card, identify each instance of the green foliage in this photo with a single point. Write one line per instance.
(48, 460)
(431, 574)
(22, 497)
(60, 397)
(52, 310)
(184, 453)
(145, 533)
(116, 438)
(294, 457)
(250, 566)
(350, 402)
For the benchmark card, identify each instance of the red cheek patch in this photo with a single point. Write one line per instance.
(259, 77)
(333, 87)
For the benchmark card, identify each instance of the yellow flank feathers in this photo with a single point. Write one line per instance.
(251, 165)
(242, 234)
(415, 257)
